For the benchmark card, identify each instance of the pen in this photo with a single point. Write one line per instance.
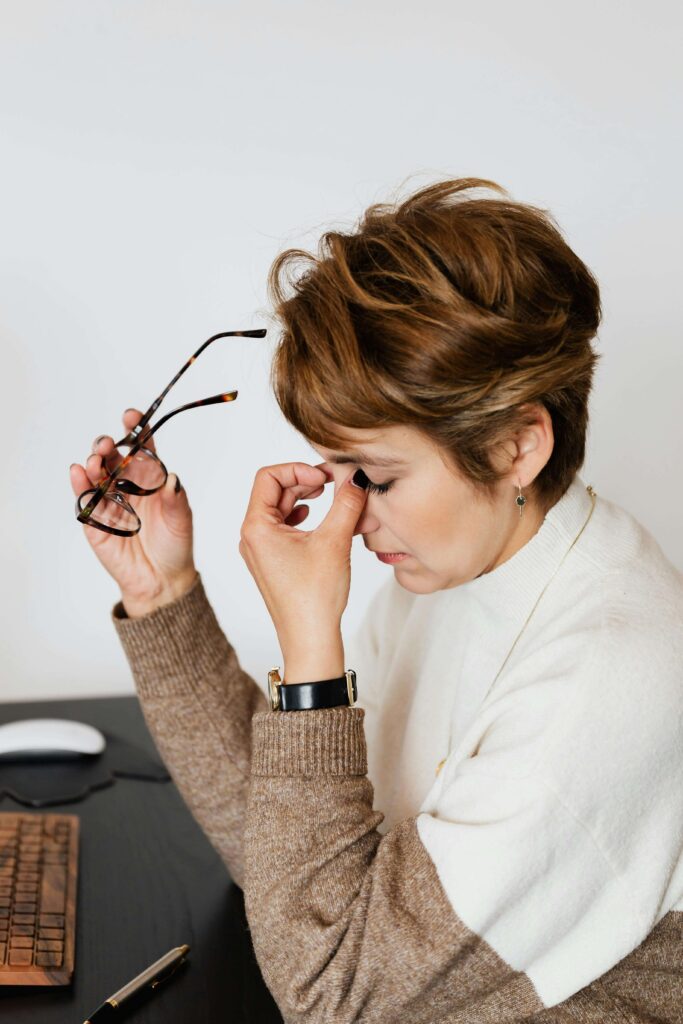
(150, 977)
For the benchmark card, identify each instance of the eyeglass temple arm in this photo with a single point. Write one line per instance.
(133, 437)
(139, 427)
(137, 442)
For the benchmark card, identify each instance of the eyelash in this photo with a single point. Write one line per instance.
(380, 488)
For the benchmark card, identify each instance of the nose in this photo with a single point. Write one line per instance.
(367, 522)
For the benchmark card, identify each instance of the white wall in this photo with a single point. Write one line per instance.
(156, 156)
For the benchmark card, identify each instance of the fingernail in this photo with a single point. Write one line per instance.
(359, 479)
(178, 484)
(98, 439)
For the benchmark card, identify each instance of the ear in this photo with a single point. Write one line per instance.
(532, 445)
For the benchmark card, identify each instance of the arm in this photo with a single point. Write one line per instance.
(493, 904)
(198, 703)
(347, 924)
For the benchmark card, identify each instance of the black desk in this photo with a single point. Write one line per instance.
(149, 880)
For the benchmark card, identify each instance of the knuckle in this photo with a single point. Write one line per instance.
(251, 530)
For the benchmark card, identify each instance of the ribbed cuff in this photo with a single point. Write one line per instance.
(173, 647)
(322, 741)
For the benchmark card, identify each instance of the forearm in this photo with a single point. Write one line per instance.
(321, 658)
(198, 703)
(349, 925)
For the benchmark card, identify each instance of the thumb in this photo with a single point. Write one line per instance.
(348, 504)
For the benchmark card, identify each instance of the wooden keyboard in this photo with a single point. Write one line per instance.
(38, 879)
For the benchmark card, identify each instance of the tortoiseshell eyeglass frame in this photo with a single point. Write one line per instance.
(137, 436)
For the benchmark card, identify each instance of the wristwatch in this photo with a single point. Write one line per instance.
(325, 693)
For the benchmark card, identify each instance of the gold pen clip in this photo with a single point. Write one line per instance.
(168, 973)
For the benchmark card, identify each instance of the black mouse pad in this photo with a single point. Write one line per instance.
(44, 783)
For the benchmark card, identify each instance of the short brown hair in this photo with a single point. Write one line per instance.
(448, 312)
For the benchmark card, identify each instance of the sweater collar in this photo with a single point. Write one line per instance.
(510, 590)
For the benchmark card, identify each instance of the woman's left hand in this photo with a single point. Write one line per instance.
(304, 576)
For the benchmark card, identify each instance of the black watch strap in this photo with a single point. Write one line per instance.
(324, 693)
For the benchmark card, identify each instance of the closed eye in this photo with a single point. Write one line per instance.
(380, 488)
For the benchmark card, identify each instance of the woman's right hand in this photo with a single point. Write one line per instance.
(156, 565)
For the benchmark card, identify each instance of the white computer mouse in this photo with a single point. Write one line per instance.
(35, 739)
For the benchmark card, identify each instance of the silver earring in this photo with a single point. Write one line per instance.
(520, 500)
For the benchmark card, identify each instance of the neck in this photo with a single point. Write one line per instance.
(522, 532)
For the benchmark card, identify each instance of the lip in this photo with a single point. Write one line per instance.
(391, 557)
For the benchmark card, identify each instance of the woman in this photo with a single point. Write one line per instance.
(519, 722)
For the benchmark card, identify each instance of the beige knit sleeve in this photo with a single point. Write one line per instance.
(198, 703)
(351, 926)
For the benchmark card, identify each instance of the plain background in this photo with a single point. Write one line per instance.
(155, 158)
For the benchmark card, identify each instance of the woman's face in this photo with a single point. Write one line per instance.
(426, 509)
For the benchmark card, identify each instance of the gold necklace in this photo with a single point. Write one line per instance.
(593, 495)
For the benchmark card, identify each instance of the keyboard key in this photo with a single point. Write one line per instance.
(53, 889)
(20, 957)
(49, 933)
(50, 944)
(54, 858)
(21, 942)
(52, 846)
(49, 959)
(51, 920)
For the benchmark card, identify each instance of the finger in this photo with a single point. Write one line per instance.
(79, 479)
(290, 496)
(110, 456)
(270, 483)
(345, 511)
(94, 469)
(297, 516)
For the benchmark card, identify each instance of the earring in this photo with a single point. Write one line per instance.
(520, 500)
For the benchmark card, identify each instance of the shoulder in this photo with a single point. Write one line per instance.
(618, 597)
(618, 545)
(637, 595)
(599, 673)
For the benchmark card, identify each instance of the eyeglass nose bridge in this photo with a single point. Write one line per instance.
(122, 483)
(128, 487)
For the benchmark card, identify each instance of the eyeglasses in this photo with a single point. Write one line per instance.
(104, 507)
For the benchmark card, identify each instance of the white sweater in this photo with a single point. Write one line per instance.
(556, 822)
